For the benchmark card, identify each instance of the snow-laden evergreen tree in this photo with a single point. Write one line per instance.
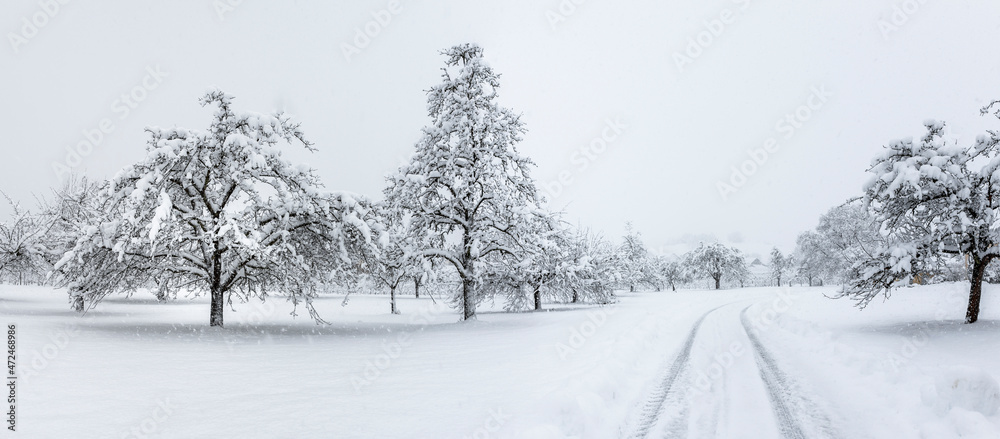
(931, 197)
(466, 181)
(717, 261)
(781, 265)
(219, 211)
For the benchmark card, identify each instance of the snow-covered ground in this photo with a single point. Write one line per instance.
(753, 363)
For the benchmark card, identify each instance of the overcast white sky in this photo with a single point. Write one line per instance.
(605, 60)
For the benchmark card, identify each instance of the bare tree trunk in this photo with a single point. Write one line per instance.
(717, 282)
(218, 296)
(976, 290)
(468, 297)
(392, 299)
(538, 299)
(468, 280)
(161, 291)
(576, 295)
(416, 286)
(218, 305)
(78, 303)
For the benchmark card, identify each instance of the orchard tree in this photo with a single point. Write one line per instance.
(634, 259)
(931, 197)
(592, 271)
(848, 233)
(547, 266)
(72, 208)
(739, 271)
(540, 268)
(26, 245)
(717, 261)
(811, 259)
(845, 234)
(780, 265)
(466, 183)
(537, 270)
(672, 271)
(396, 257)
(219, 211)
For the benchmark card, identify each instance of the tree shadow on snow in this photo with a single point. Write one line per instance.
(246, 332)
(936, 327)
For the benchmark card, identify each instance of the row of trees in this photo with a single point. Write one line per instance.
(223, 212)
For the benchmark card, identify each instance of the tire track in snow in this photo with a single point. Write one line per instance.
(780, 392)
(654, 407)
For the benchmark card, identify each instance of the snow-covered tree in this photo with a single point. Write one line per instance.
(26, 245)
(634, 259)
(739, 271)
(781, 265)
(545, 267)
(220, 211)
(845, 234)
(396, 259)
(811, 259)
(671, 271)
(717, 261)
(466, 181)
(931, 197)
(592, 270)
(848, 233)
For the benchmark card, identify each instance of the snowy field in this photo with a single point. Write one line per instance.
(748, 363)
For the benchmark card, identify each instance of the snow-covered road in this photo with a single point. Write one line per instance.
(725, 382)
